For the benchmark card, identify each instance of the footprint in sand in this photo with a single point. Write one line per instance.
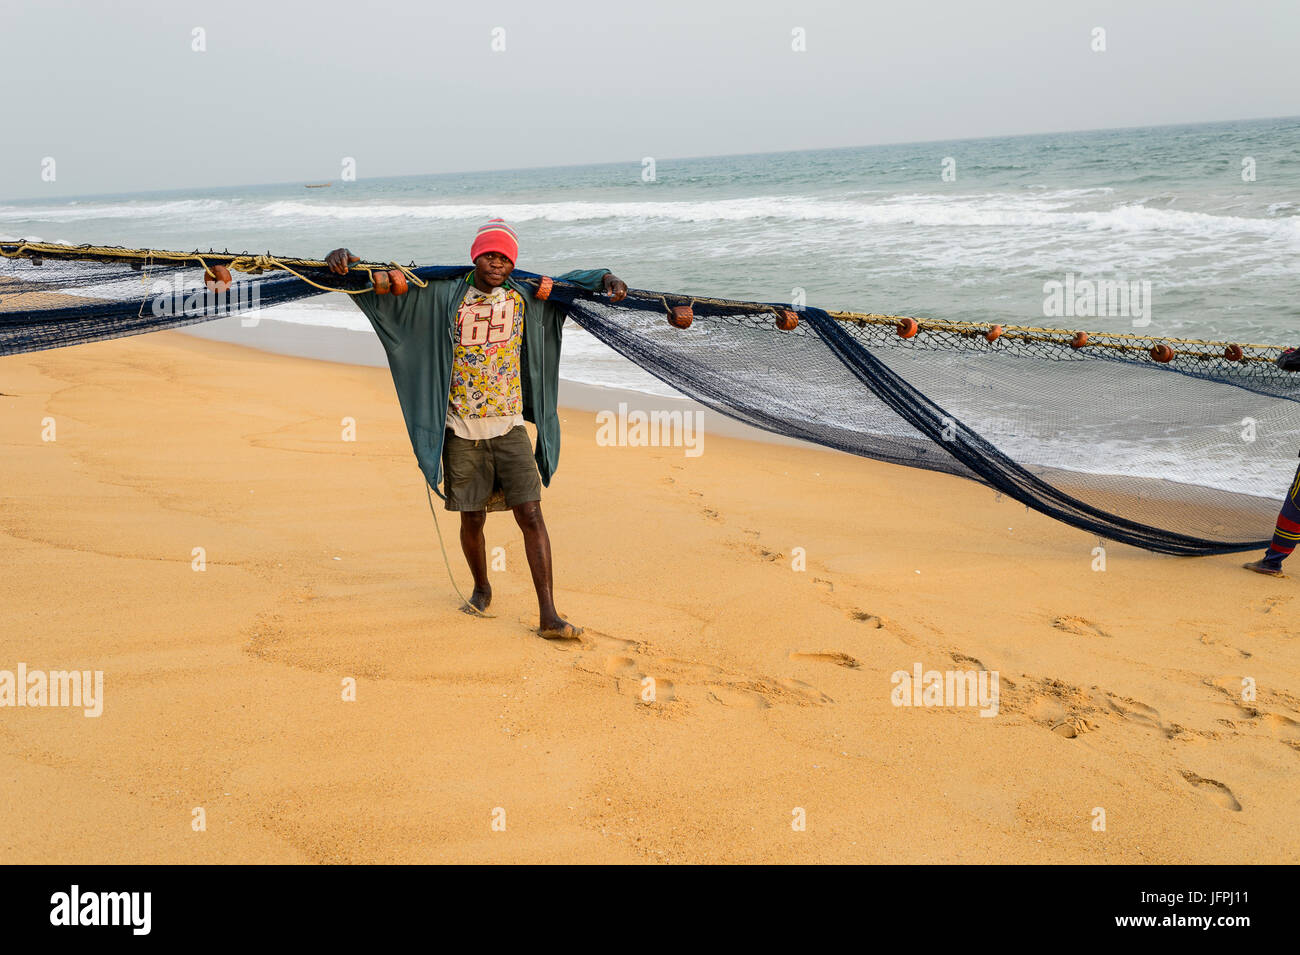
(665, 692)
(627, 671)
(1055, 716)
(1213, 790)
(621, 667)
(1044, 709)
(1230, 687)
(828, 656)
(1210, 641)
(870, 619)
(734, 697)
(1135, 711)
(620, 661)
(1079, 626)
(761, 552)
(1283, 727)
(595, 639)
(1074, 726)
(1060, 707)
(1227, 683)
(1270, 604)
(636, 684)
(805, 690)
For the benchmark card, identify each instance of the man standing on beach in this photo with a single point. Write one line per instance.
(472, 358)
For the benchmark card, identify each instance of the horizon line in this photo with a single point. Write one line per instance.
(773, 152)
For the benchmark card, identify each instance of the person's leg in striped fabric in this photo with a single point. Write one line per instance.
(1285, 535)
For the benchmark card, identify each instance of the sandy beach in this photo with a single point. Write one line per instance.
(1121, 689)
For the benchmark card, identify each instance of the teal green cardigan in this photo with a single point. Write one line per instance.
(417, 330)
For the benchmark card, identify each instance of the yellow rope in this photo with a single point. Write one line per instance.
(410, 275)
(248, 264)
(446, 560)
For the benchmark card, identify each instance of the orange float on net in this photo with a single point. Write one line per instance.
(544, 286)
(397, 281)
(681, 316)
(380, 281)
(1162, 353)
(787, 320)
(994, 333)
(222, 276)
(1079, 340)
(907, 328)
(1234, 353)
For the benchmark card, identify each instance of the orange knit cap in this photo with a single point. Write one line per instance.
(495, 236)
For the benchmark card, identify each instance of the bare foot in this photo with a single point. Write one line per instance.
(558, 629)
(1259, 567)
(478, 601)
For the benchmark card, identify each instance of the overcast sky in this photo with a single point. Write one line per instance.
(118, 96)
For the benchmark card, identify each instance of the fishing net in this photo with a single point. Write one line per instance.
(1181, 447)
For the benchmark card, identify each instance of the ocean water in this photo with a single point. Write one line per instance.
(869, 229)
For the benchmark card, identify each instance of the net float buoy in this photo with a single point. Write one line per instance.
(787, 320)
(37, 260)
(397, 281)
(908, 328)
(379, 280)
(136, 266)
(994, 333)
(1162, 354)
(544, 286)
(209, 279)
(681, 316)
(1079, 340)
(223, 280)
(1234, 353)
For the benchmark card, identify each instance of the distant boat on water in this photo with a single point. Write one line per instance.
(317, 185)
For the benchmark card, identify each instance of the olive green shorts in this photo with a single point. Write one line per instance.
(490, 475)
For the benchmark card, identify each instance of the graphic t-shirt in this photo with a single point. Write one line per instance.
(486, 397)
